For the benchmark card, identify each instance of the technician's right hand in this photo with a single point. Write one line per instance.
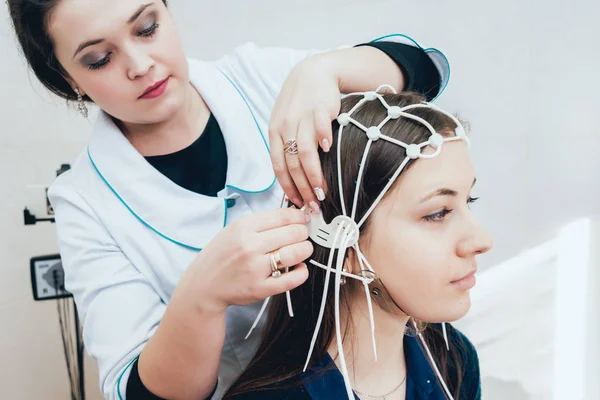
(235, 268)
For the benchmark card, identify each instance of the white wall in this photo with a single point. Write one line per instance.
(535, 318)
(524, 73)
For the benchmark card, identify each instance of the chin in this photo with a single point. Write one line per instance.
(459, 309)
(165, 107)
(161, 112)
(447, 312)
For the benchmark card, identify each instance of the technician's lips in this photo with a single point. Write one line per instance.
(155, 90)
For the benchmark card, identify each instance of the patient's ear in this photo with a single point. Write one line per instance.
(351, 263)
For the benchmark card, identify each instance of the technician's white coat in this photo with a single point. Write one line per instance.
(127, 232)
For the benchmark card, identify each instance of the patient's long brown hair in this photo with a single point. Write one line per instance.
(285, 342)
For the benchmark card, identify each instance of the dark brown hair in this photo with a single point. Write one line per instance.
(285, 341)
(30, 21)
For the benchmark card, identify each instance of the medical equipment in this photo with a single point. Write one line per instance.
(29, 218)
(343, 231)
(47, 282)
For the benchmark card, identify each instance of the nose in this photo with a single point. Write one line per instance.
(476, 241)
(140, 63)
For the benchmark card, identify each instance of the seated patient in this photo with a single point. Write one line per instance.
(400, 252)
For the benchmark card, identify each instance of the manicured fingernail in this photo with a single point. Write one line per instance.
(320, 193)
(326, 146)
(314, 206)
(298, 203)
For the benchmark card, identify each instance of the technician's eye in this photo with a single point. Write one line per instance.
(149, 31)
(100, 63)
(472, 200)
(438, 216)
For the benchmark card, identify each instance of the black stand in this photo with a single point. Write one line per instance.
(31, 219)
(79, 352)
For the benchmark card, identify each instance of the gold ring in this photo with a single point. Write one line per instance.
(291, 147)
(277, 257)
(275, 272)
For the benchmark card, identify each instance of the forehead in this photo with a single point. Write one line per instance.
(451, 169)
(78, 20)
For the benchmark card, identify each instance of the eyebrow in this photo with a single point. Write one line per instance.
(92, 42)
(444, 192)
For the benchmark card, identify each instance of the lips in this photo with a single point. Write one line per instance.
(472, 272)
(155, 90)
(466, 282)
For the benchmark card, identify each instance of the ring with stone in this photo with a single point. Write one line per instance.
(291, 147)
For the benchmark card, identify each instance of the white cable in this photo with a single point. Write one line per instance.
(385, 121)
(445, 336)
(345, 274)
(395, 141)
(358, 124)
(357, 106)
(339, 168)
(383, 102)
(359, 179)
(433, 364)
(366, 283)
(419, 119)
(362, 257)
(258, 317)
(386, 86)
(323, 299)
(338, 333)
(288, 298)
(371, 318)
(384, 191)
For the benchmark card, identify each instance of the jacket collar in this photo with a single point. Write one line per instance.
(174, 213)
(325, 381)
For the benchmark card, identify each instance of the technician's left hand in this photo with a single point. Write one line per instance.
(308, 102)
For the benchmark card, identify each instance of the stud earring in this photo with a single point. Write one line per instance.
(81, 107)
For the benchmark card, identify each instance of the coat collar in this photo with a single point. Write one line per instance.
(174, 213)
(325, 381)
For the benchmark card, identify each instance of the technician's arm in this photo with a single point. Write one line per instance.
(181, 359)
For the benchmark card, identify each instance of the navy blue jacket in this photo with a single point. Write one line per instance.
(325, 381)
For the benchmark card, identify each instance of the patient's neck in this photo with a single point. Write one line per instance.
(366, 374)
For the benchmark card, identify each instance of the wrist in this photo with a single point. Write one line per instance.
(195, 292)
(329, 63)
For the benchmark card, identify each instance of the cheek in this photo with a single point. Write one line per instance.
(410, 250)
(170, 50)
(110, 90)
(108, 87)
(415, 266)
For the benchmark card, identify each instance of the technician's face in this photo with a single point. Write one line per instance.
(115, 51)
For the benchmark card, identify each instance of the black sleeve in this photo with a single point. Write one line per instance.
(137, 391)
(419, 71)
(296, 392)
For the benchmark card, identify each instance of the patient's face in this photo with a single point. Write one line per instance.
(423, 238)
